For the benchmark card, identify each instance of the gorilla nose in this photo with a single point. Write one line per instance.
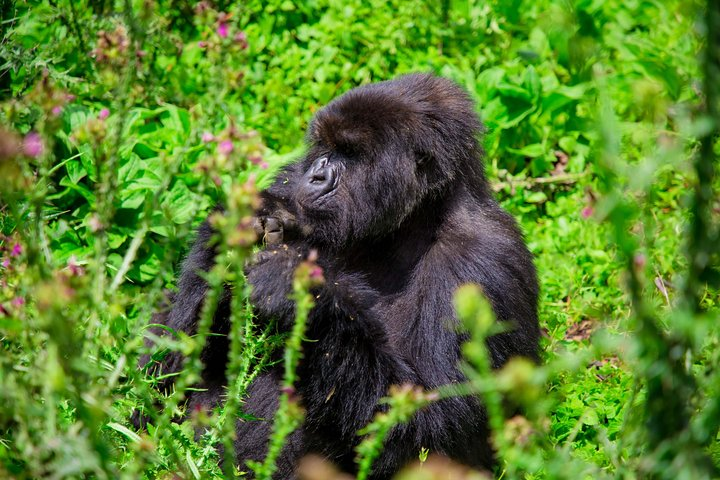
(320, 179)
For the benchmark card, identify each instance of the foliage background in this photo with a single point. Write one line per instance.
(598, 117)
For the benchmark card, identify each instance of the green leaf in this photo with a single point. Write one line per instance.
(536, 197)
(125, 431)
(532, 151)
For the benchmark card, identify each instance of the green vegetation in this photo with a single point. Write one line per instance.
(124, 122)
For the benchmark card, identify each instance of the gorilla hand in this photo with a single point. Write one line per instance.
(276, 228)
(271, 274)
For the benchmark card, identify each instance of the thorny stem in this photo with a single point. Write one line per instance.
(703, 241)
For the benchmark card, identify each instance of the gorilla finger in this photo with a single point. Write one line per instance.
(273, 239)
(257, 226)
(273, 224)
(290, 224)
(273, 231)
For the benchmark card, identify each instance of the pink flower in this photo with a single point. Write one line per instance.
(241, 38)
(222, 30)
(225, 147)
(586, 212)
(208, 137)
(17, 302)
(202, 44)
(57, 110)
(33, 145)
(104, 113)
(264, 165)
(6, 262)
(16, 250)
(316, 272)
(75, 269)
(639, 260)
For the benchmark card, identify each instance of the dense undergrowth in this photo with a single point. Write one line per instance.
(124, 122)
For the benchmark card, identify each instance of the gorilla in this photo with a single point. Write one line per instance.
(392, 196)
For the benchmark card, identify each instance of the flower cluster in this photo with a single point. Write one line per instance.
(11, 251)
(94, 130)
(219, 31)
(112, 47)
(232, 148)
(51, 99)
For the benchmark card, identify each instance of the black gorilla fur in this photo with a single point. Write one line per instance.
(393, 197)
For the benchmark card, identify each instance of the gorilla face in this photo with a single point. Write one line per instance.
(377, 153)
(341, 198)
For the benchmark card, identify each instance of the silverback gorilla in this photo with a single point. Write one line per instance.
(392, 196)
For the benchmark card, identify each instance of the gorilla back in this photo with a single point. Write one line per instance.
(393, 197)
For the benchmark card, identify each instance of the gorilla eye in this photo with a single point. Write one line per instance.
(423, 158)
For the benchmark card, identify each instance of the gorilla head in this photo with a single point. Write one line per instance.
(381, 150)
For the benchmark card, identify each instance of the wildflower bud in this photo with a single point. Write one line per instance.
(472, 307)
(309, 274)
(75, 269)
(225, 147)
(95, 224)
(241, 39)
(222, 30)
(639, 261)
(201, 7)
(16, 250)
(33, 145)
(516, 375)
(104, 113)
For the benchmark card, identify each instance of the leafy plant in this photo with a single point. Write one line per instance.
(123, 123)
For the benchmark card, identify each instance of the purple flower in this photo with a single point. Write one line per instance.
(225, 147)
(33, 145)
(208, 137)
(16, 250)
(57, 110)
(104, 113)
(222, 30)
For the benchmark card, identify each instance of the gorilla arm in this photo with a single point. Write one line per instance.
(274, 221)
